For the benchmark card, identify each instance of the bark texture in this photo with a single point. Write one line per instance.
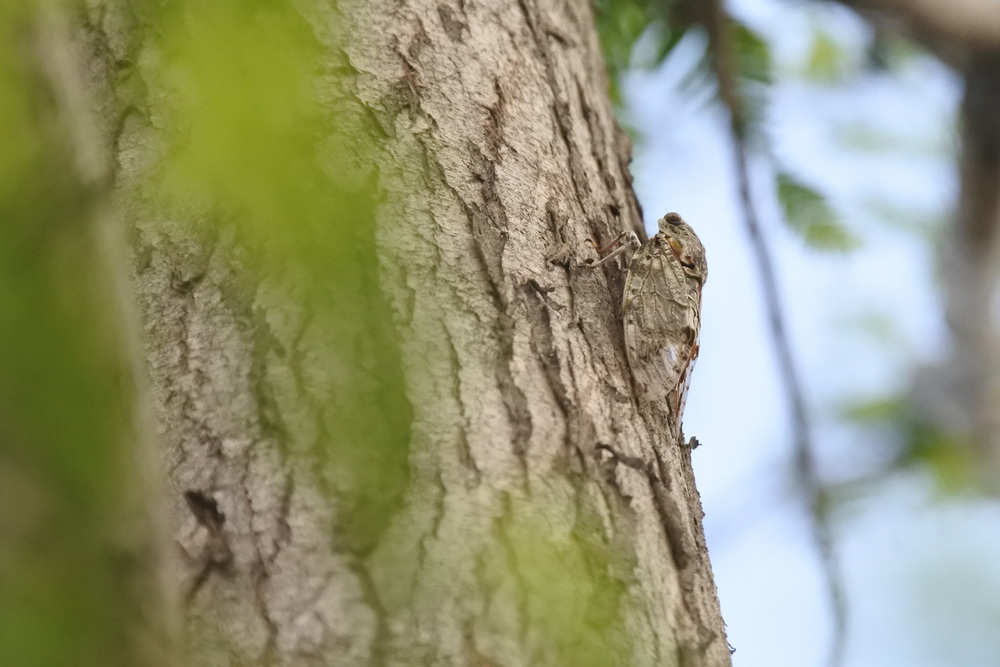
(498, 157)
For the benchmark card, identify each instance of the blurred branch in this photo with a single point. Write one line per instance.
(953, 30)
(717, 23)
(970, 268)
(966, 35)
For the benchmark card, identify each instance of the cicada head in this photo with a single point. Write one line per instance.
(685, 246)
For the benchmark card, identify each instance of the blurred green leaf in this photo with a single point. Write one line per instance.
(826, 59)
(563, 589)
(753, 76)
(876, 410)
(929, 224)
(237, 85)
(67, 434)
(868, 138)
(809, 214)
(622, 25)
(889, 51)
(753, 54)
(252, 142)
(947, 456)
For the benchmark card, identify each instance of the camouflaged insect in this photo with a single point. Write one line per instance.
(661, 308)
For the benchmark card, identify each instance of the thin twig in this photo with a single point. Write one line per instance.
(805, 464)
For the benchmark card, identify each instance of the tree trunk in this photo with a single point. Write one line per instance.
(453, 469)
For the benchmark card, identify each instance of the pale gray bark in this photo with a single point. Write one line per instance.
(500, 157)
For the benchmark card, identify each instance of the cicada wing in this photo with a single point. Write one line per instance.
(661, 325)
(680, 399)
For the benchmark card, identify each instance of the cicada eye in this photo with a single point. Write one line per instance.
(673, 218)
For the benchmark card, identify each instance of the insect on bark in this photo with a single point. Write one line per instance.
(661, 307)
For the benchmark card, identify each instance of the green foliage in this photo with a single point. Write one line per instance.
(811, 216)
(251, 139)
(237, 86)
(890, 52)
(947, 456)
(753, 54)
(920, 444)
(65, 390)
(561, 588)
(906, 217)
(863, 137)
(642, 34)
(621, 24)
(825, 62)
(873, 411)
(754, 70)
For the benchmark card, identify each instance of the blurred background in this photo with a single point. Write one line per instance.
(867, 538)
(854, 143)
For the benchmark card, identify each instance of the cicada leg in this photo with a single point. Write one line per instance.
(615, 248)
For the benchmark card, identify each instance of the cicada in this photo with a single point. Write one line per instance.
(661, 308)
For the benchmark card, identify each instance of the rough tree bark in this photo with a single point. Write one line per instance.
(498, 157)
